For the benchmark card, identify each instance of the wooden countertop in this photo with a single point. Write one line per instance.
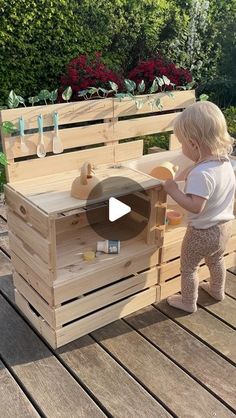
(51, 193)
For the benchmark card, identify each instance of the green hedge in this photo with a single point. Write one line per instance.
(37, 38)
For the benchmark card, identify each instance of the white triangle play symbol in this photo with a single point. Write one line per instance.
(117, 209)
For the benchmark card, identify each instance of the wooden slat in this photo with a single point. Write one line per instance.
(70, 138)
(172, 286)
(105, 316)
(144, 126)
(172, 268)
(206, 327)
(127, 107)
(184, 396)
(29, 257)
(72, 283)
(174, 143)
(196, 358)
(29, 236)
(128, 151)
(23, 170)
(43, 288)
(13, 401)
(68, 113)
(106, 296)
(114, 387)
(225, 309)
(34, 299)
(32, 362)
(28, 212)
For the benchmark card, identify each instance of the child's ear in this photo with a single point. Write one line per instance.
(193, 143)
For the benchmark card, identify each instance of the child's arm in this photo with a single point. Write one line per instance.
(190, 202)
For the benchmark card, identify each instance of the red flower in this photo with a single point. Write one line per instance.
(157, 67)
(83, 72)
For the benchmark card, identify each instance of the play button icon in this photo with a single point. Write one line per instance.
(122, 212)
(117, 209)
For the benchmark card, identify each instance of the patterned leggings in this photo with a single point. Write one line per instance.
(208, 244)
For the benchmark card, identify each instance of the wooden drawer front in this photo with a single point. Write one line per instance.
(65, 289)
(85, 325)
(79, 307)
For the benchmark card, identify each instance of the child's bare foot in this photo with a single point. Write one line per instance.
(177, 302)
(216, 295)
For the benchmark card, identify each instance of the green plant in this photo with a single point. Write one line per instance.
(230, 116)
(3, 163)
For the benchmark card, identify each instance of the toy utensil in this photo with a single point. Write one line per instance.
(23, 145)
(41, 152)
(57, 146)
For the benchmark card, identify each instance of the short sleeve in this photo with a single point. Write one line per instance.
(200, 184)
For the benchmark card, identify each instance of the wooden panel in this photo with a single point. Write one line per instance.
(144, 126)
(23, 170)
(105, 316)
(174, 285)
(27, 211)
(25, 253)
(33, 279)
(207, 367)
(45, 379)
(174, 143)
(128, 151)
(172, 268)
(80, 220)
(29, 236)
(68, 113)
(70, 137)
(72, 283)
(120, 394)
(206, 327)
(13, 401)
(106, 296)
(127, 107)
(34, 299)
(171, 385)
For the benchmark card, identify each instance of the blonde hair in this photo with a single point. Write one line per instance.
(204, 123)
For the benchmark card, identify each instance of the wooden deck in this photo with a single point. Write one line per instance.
(157, 362)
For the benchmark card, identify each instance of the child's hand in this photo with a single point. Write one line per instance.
(170, 186)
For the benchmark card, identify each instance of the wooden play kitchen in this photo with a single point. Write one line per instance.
(63, 294)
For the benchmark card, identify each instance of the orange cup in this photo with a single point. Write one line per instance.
(174, 217)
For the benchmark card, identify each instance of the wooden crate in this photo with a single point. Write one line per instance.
(62, 295)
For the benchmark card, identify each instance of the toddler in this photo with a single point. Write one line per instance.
(208, 199)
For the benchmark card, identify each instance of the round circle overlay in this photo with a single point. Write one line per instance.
(126, 227)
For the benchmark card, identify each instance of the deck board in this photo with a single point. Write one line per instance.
(13, 401)
(230, 287)
(110, 383)
(226, 309)
(47, 381)
(183, 395)
(191, 354)
(206, 327)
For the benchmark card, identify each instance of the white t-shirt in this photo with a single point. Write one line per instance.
(215, 181)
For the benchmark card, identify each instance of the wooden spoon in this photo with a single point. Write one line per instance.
(23, 146)
(41, 152)
(57, 146)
